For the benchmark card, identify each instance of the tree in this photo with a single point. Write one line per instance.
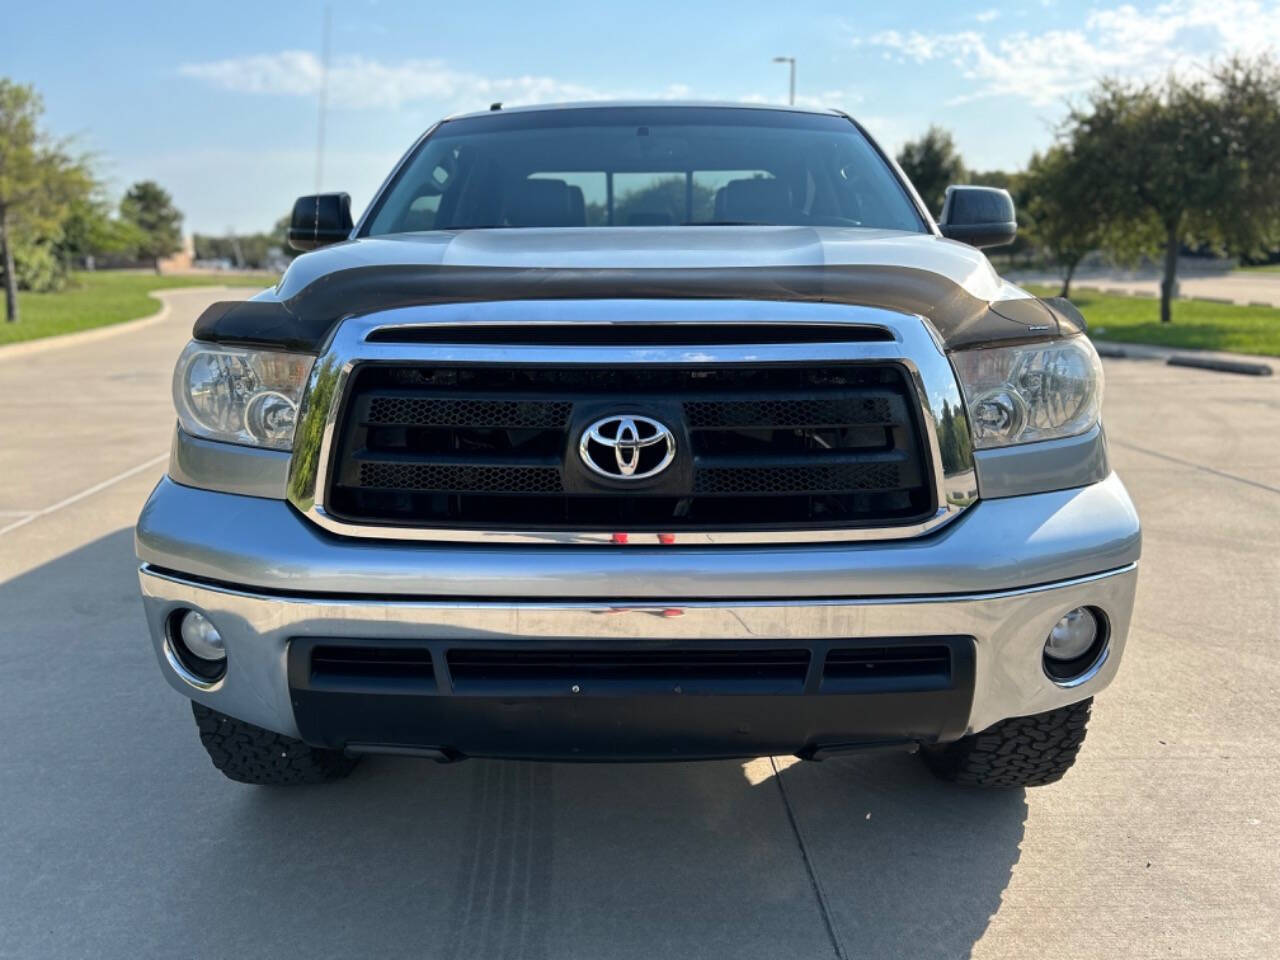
(149, 207)
(38, 179)
(663, 201)
(257, 250)
(1063, 206)
(90, 230)
(1249, 110)
(932, 164)
(1184, 161)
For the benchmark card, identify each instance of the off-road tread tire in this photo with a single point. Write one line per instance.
(250, 754)
(1018, 752)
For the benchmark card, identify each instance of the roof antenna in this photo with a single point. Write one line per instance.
(496, 105)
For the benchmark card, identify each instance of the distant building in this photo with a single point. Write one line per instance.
(183, 260)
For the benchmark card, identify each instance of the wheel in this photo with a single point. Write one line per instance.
(251, 754)
(1018, 752)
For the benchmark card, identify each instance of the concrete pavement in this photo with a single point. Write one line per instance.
(118, 839)
(1241, 287)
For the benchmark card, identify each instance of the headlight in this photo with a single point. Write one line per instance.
(1037, 391)
(238, 395)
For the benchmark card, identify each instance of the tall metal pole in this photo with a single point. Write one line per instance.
(791, 61)
(324, 97)
(236, 253)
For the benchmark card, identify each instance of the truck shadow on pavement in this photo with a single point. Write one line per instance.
(122, 840)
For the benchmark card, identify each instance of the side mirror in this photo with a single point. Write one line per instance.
(979, 216)
(320, 220)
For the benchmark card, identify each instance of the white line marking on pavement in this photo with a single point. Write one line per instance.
(77, 497)
(1185, 463)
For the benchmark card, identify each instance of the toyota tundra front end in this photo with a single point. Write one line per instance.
(641, 432)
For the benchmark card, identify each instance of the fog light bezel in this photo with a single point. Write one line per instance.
(199, 672)
(1081, 669)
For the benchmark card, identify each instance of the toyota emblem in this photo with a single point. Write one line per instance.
(627, 447)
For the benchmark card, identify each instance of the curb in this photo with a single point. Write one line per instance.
(1222, 366)
(1109, 350)
(26, 348)
(1259, 367)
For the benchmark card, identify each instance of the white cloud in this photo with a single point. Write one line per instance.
(986, 16)
(1119, 41)
(360, 82)
(827, 99)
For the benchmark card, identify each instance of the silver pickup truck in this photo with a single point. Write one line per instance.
(641, 432)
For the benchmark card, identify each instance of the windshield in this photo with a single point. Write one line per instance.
(644, 167)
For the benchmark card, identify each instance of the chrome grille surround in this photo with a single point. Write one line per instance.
(914, 345)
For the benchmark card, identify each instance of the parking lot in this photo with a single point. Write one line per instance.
(118, 839)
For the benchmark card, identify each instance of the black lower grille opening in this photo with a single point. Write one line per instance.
(887, 668)
(627, 672)
(768, 447)
(366, 668)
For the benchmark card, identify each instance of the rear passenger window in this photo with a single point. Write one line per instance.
(591, 188)
(648, 199)
(707, 184)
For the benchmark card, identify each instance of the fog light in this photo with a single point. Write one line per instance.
(201, 637)
(1076, 647)
(195, 649)
(1072, 636)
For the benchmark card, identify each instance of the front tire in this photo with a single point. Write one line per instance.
(1018, 752)
(250, 754)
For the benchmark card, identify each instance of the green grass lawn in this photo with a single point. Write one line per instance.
(105, 297)
(1197, 324)
(1262, 268)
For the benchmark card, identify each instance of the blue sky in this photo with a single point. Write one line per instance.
(219, 101)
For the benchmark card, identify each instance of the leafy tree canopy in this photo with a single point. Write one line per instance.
(39, 180)
(932, 164)
(1184, 161)
(257, 250)
(1065, 214)
(148, 206)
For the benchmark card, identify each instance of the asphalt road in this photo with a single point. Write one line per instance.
(119, 840)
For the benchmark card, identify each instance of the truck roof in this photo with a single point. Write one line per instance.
(665, 104)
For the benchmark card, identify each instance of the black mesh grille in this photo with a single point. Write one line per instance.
(770, 446)
(436, 412)
(800, 479)
(460, 479)
(852, 410)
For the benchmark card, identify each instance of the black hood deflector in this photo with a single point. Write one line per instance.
(305, 320)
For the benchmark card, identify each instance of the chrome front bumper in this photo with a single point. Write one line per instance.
(1003, 574)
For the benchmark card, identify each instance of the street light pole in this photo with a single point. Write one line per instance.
(792, 62)
(324, 95)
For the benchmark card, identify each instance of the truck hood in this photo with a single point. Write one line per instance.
(950, 284)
